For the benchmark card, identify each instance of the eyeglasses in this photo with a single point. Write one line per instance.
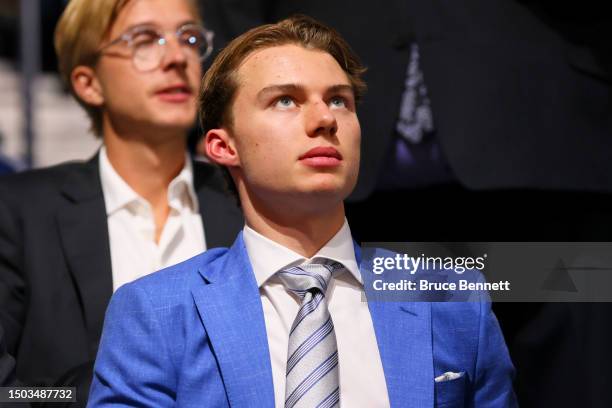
(148, 44)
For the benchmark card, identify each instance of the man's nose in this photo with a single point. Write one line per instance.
(320, 120)
(174, 54)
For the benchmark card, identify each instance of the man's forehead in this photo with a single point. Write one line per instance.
(290, 64)
(161, 14)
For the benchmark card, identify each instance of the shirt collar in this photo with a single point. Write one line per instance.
(268, 257)
(118, 194)
(181, 187)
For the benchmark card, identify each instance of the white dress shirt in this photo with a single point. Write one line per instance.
(362, 380)
(131, 225)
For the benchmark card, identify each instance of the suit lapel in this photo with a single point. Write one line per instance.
(230, 309)
(83, 231)
(221, 217)
(404, 336)
(403, 332)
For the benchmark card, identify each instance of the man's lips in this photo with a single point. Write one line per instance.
(174, 93)
(321, 157)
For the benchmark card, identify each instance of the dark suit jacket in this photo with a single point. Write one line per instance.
(520, 91)
(55, 264)
(7, 364)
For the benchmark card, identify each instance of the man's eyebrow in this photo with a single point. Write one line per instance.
(341, 88)
(280, 88)
(290, 88)
(153, 24)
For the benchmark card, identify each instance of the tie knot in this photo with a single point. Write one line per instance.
(303, 278)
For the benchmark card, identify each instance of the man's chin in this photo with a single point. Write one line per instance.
(327, 191)
(330, 185)
(175, 124)
(173, 116)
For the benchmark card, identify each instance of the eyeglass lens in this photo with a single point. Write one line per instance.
(149, 46)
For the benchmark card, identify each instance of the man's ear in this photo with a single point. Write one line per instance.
(220, 148)
(86, 85)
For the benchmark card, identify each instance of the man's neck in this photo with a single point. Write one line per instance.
(304, 233)
(148, 165)
(147, 169)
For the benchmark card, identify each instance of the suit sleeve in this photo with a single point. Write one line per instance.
(494, 370)
(133, 367)
(12, 279)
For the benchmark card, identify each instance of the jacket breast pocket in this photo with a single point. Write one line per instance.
(450, 393)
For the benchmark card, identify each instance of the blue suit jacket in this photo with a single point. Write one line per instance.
(193, 335)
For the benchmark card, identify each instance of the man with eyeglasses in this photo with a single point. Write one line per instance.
(70, 235)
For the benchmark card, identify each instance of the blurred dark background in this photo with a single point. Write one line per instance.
(521, 96)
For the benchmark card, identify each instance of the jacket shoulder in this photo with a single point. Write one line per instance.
(32, 184)
(177, 280)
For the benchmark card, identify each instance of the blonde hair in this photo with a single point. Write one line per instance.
(83, 26)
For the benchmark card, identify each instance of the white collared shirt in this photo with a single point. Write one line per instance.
(131, 225)
(362, 380)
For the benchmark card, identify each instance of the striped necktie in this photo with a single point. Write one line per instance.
(312, 356)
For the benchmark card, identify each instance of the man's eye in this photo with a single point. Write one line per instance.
(338, 102)
(145, 38)
(285, 102)
(192, 38)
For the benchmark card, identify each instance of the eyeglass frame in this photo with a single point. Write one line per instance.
(128, 38)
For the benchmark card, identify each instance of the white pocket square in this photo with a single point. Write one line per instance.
(448, 376)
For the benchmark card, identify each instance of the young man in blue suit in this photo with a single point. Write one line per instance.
(278, 318)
